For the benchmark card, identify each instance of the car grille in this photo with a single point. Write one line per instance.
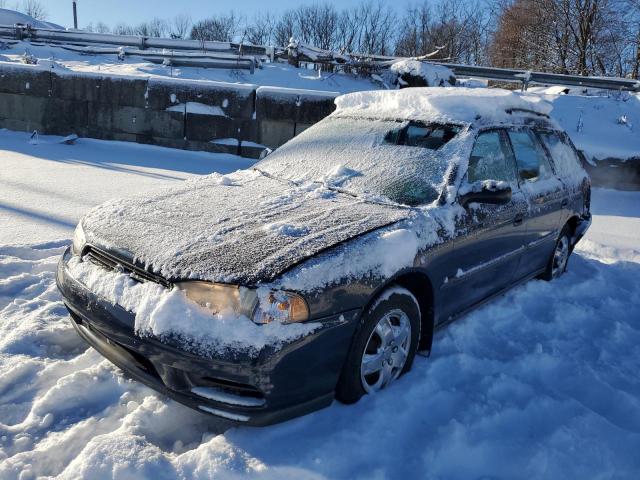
(110, 261)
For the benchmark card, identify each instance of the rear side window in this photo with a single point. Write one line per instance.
(565, 159)
(490, 159)
(418, 134)
(531, 158)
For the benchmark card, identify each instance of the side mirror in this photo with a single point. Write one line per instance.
(494, 193)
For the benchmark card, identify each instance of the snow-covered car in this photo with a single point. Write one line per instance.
(318, 274)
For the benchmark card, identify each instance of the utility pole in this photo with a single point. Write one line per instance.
(75, 15)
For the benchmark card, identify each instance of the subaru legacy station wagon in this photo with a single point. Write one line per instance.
(320, 272)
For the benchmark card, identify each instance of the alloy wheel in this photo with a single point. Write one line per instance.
(386, 351)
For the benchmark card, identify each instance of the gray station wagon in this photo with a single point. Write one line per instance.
(343, 250)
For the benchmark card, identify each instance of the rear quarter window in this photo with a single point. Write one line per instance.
(532, 161)
(565, 159)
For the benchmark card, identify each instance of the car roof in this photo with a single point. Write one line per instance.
(454, 105)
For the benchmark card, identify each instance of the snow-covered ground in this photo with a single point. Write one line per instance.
(541, 383)
(11, 17)
(46, 186)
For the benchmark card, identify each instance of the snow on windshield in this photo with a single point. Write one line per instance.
(356, 156)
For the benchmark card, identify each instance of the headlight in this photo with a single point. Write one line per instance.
(260, 306)
(218, 297)
(79, 240)
(284, 307)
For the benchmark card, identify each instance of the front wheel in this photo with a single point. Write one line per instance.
(560, 258)
(384, 346)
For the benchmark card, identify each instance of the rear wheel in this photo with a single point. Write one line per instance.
(384, 346)
(560, 258)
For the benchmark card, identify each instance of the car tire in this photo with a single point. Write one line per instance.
(560, 257)
(384, 345)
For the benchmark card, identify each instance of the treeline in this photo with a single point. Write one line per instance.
(587, 37)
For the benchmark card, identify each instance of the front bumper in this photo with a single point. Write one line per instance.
(276, 385)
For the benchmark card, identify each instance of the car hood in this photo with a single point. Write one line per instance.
(245, 228)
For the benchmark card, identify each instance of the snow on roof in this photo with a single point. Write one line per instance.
(449, 104)
(11, 17)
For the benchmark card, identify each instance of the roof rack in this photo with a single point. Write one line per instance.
(525, 110)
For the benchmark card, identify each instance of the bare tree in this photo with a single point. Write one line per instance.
(378, 28)
(584, 37)
(628, 38)
(180, 25)
(449, 29)
(525, 37)
(323, 28)
(634, 14)
(158, 27)
(349, 28)
(99, 27)
(143, 29)
(124, 29)
(222, 28)
(102, 27)
(583, 30)
(35, 9)
(261, 30)
(635, 73)
(284, 28)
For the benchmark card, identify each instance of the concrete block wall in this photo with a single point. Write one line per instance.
(285, 112)
(176, 113)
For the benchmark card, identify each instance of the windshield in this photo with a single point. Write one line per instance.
(401, 161)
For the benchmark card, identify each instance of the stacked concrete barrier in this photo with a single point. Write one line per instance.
(187, 114)
(24, 98)
(285, 112)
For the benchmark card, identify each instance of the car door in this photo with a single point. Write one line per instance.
(568, 167)
(490, 238)
(545, 195)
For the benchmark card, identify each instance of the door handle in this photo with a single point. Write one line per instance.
(517, 221)
(565, 202)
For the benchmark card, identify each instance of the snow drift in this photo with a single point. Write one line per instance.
(541, 383)
(11, 17)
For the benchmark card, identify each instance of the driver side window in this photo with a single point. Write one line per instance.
(491, 159)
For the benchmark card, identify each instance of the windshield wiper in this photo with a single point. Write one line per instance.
(363, 197)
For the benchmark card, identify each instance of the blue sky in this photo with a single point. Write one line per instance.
(112, 12)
